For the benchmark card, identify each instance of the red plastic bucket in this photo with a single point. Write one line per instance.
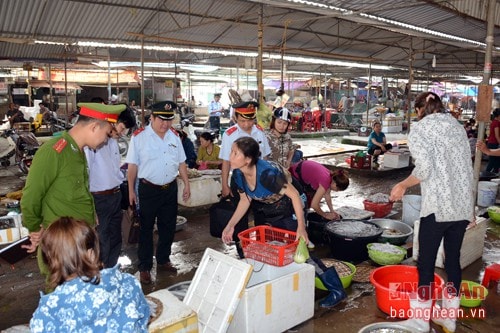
(381, 209)
(393, 286)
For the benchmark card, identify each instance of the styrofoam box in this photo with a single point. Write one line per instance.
(393, 121)
(205, 190)
(275, 299)
(392, 129)
(396, 160)
(175, 316)
(472, 246)
(216, 290)
(9, 228)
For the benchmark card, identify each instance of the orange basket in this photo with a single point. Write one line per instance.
(269, 245)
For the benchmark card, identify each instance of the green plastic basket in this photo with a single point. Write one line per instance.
(393, 256)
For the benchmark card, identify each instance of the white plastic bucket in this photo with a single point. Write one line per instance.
(486, 193)
(496, 180)
(411, 208)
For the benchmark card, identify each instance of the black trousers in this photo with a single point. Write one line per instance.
(429, 238)
(214, 122)
(160, 206)
(387, 146)
(493, 161)
(109, 229)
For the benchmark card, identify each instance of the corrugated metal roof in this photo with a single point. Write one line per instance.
(232, 25)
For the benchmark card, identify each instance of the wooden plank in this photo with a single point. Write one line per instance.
(484, 99)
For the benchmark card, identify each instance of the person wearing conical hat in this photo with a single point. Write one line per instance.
(58, 181)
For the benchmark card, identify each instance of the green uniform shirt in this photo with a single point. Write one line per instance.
(57, 185)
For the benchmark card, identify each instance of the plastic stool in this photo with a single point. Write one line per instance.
(492, 272)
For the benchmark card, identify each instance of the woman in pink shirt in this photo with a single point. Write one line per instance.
(318, 183)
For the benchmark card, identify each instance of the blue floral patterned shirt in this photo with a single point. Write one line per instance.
(116, 304)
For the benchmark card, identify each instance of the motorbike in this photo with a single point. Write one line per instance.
(7, 148)
(22, 146)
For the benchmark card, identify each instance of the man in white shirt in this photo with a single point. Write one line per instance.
(215, 111)
(245, 114)
(105, 178)
(155, 158)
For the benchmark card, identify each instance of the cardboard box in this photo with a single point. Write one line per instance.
(175, 316)
(205, 190)
(275, 299)
(472, 246)
(396, 160)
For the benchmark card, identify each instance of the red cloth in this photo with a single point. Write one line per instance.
(491, 138)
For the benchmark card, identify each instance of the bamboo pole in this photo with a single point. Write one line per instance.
(260, 36)
(410, 82)
(481, 116)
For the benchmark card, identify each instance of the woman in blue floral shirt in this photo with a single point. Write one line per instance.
(85, 298)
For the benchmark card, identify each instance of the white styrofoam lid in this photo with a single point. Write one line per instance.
(216, 289)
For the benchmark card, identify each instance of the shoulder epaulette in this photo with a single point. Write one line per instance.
(258, 127)
(231, 130)
(174, 131)
(59, 145)
(138, 131)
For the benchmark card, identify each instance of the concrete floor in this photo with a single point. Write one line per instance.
(20, 285)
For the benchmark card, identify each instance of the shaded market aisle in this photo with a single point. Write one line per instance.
(20, 286)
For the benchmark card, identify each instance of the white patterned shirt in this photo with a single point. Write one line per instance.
(443, 165)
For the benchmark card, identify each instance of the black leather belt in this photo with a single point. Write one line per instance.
(107, 192)
(161, 187)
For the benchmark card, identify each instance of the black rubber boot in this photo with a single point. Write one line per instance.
(332, 282)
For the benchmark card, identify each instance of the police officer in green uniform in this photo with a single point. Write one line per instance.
(58, 180)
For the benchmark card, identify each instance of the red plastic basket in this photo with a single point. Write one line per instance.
(380, 209)
(269, 245)
(361, 162)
